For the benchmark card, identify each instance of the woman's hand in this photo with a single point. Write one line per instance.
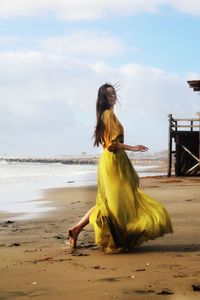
(140, 148)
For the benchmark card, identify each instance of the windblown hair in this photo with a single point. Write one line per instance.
(101, 105)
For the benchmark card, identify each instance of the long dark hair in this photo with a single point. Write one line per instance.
(101, 105)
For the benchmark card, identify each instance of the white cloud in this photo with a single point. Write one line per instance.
(84, 43)
(193, 76)
(74, 10)
(153, 90)
(188, 7)
(78, 10)
(9, 40)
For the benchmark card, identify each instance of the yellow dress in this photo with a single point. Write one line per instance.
(124, 216)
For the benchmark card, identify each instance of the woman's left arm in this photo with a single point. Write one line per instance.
(122, 146)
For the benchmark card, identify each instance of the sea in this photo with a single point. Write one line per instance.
(22, 185)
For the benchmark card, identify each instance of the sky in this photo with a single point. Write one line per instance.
(54, 55)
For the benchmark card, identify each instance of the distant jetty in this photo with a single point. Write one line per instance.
(68, 161)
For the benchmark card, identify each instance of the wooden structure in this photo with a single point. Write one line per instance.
(195, 84)
(185, 133)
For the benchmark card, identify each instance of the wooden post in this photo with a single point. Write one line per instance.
(176, 125)
(198, 113)
(191, 125)
(170, 145)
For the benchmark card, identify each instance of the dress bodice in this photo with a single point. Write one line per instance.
(113, 130)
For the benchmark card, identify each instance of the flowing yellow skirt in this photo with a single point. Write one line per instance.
(124, 216)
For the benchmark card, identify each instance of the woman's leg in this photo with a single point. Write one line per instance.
(74, 231)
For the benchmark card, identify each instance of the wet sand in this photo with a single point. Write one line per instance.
(35, 261)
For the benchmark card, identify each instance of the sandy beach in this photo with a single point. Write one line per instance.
(35, 260)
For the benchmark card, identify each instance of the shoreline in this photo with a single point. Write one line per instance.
(26, 200)
(36, 261)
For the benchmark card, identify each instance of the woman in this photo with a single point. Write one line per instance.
(123, 216)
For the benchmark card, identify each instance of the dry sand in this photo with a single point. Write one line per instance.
(35, 261)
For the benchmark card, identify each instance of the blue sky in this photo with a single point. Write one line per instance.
(166, 40)
(54, 56)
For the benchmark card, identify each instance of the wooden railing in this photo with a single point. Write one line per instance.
(179, 124)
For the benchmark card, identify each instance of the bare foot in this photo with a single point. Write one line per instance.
(73, 235)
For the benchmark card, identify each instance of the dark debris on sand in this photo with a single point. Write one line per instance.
(196, 287)
(165, 292)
